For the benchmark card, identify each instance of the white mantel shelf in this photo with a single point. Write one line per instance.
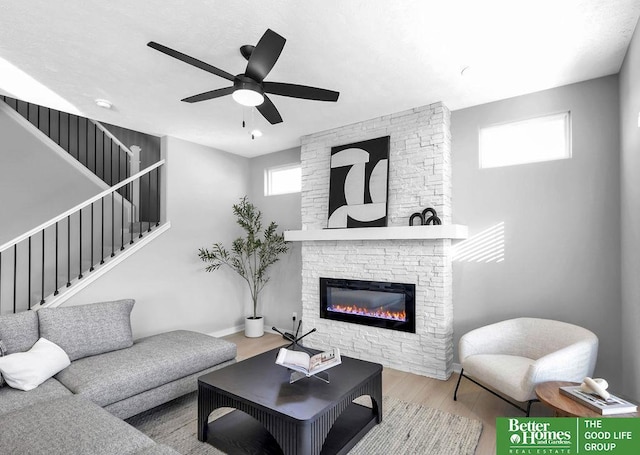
(449, 231)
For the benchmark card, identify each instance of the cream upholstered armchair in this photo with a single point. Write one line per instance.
(513, 356)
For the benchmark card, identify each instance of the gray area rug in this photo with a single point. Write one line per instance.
(406, 428)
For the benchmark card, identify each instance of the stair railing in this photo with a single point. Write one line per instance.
(91, 233)
(86, 140)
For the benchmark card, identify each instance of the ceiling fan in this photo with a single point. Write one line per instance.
(250, 88)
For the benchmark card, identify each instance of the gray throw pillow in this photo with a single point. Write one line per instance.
(87, 330)
(19, 331)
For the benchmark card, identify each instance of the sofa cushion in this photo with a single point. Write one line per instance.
(12, 399)
(87, 330)
(155, 397)
(27, 370)
(69, 425)
(19, 331)
(149, 363)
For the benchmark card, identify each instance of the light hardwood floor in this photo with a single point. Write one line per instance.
(473, 402)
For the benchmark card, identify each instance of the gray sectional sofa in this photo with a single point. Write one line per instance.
(110, 377)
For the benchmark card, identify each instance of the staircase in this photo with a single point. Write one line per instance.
(51, 262)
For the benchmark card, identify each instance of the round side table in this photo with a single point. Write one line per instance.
(549, 394)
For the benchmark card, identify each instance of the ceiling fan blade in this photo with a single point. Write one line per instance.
(300, 91)
(211, 94)
(265, 55)
(269, 111)
(190, 60)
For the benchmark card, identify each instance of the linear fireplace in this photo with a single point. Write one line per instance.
(373, 303)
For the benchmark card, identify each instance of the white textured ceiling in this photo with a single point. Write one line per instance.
(383, 56)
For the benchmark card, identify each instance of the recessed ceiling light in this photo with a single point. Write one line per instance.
(105, 104)
(255, 134)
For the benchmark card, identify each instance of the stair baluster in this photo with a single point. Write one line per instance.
(149, 205)
(15, 275)
(102, 233)
(80, 245)
(56, 292)
(43, 245)
(113, 220)
(132, 219)
(29, 275)
(69, 251)
(122, 221)
(91, 269)
(158, 196)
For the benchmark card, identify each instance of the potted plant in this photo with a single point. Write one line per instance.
(250, 257)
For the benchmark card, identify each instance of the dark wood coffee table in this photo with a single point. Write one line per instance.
(275, 417)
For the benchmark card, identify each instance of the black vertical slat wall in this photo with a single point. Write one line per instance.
(80, 137)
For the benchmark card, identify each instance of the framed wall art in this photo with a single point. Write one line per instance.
(358, 182)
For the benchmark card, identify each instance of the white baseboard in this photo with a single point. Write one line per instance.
(226, 332)
(239, 328)
(457, 368)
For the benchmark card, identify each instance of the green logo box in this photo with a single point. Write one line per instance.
(564, 435)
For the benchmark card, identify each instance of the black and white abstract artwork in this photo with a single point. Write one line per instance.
(358, 184)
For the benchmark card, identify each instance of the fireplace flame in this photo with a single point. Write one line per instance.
(370, 312)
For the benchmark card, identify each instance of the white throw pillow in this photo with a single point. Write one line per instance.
(27, 370)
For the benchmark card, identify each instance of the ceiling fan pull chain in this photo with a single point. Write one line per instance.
(251, 129)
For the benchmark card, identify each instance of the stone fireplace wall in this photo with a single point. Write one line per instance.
(419, 177)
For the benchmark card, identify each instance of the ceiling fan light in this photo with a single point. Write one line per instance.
(248, 97)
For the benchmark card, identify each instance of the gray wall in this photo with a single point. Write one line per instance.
(561, 220)
(166, 278)
(282, 295)
(35, 183)
(630, 216)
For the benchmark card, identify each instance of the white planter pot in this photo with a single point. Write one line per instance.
(254, 328)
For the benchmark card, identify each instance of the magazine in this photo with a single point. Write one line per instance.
(306, 364)
(613, 405)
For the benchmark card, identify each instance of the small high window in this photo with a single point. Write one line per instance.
(529, 141)
(283, 179)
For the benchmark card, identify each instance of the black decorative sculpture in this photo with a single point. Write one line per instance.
(295, 339)
(424, 221)
(433, 219)
(416, 215)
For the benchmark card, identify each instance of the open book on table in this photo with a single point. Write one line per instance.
(306, 364)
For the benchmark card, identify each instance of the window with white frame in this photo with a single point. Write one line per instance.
(538, 139)
(283, 179)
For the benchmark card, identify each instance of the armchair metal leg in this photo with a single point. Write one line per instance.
(455, 392)
(529, 403)
(527, 411)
